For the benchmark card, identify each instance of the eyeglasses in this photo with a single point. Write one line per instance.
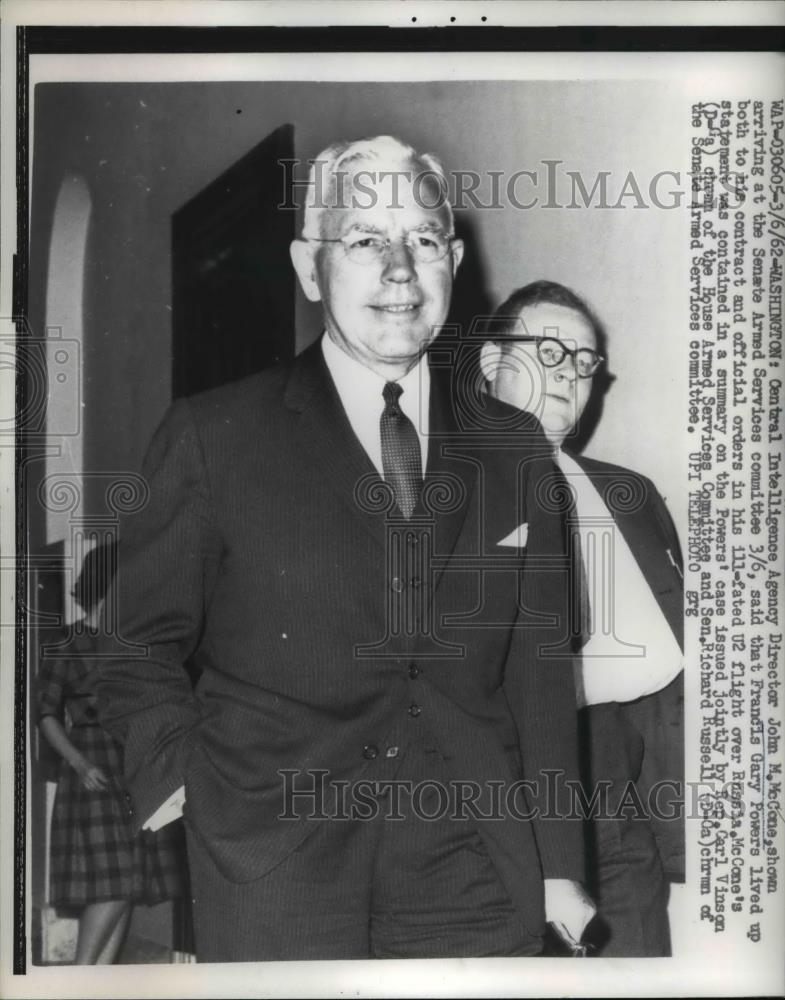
(551, 352)
(426, 246)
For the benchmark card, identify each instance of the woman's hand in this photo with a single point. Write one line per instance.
(91, 776)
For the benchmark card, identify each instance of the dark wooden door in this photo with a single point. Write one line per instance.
(233, 294)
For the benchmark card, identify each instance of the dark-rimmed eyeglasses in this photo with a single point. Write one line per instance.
(427, 246)
(551, 352)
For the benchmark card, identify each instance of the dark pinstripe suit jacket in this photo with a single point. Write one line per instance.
(643, 519)
(264, 553)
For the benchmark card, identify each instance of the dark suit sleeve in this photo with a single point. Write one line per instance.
(166, 563)
(540, 681)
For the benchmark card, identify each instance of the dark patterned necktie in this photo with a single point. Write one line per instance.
(401, 458)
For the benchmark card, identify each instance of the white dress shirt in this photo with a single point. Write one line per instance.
(631, 650)
(360, 391)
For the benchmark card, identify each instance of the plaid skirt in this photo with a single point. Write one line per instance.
(94, 855)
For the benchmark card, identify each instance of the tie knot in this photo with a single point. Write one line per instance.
(392, 393)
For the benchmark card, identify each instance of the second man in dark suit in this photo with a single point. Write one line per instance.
(544, 351)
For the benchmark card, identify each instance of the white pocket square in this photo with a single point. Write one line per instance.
(517, 539)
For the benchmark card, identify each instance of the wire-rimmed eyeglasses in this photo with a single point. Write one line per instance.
(551, 352)
(427, 246)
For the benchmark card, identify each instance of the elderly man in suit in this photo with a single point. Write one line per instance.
(544, 349)
(324, 540)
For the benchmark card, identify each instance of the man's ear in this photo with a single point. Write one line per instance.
(456, 247)
(303, 253)
(490, 356)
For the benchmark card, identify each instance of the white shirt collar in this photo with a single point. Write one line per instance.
(360, 391)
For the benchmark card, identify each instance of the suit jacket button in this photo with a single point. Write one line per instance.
(370, 751)
(414, 710)
(414, 670)
(397, 584)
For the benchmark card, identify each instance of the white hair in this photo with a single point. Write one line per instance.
(386, 150)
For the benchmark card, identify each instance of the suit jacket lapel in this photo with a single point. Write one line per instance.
(328, 441)
(449, 480)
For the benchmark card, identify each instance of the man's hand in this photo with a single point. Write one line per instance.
(568, 908)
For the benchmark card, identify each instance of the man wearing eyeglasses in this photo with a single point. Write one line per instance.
(334, 555)
(543, 356)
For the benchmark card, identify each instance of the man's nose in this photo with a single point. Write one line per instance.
(399, 262)
(566, 368)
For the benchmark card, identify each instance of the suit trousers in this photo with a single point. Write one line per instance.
(630, 890)
(418, 886)
(626, 876)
